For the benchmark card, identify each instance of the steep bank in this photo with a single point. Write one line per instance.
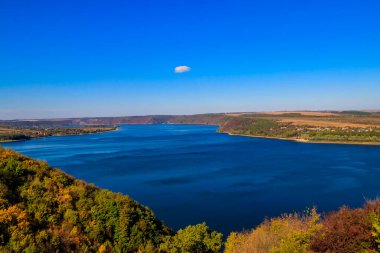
(42, 209)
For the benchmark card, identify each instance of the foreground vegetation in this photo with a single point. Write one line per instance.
(343, 231)
(43, 209)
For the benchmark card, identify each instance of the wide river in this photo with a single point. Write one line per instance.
(188, 174)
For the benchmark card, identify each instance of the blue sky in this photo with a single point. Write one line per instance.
(114, 58)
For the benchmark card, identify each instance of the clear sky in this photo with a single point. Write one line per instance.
(113, 58)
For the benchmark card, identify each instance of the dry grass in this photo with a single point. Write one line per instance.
(317, 119)
(325, 123)
(304, 113)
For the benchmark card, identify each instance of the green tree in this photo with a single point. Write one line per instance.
(194, 239)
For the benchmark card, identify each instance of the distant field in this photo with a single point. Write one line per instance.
(325, 123)
(335, 127)
(303, 113)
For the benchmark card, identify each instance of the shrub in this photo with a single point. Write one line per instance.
(289, 233)
(345, 231)
(194, 239)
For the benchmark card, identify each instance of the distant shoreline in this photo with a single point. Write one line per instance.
(58, 135)
(306, 141)
(7, 141)
(231, 134)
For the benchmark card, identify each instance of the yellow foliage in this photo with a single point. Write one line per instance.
(9, 214)
(105, 248)
(287, 234)
(23, 220)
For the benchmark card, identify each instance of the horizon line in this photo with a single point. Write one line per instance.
(152, 115)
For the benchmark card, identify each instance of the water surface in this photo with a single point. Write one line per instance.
(188, 174)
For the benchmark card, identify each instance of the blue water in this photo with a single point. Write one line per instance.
(188, 174)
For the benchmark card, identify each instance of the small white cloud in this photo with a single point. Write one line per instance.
(182, 69)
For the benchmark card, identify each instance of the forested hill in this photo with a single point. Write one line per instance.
(42, 209)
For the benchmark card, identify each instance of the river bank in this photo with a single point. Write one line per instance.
(305, 140)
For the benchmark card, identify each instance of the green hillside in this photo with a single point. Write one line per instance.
(43, 209)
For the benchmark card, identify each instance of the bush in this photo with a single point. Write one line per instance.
(289, 233)
(347, 231)
(193, 239)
